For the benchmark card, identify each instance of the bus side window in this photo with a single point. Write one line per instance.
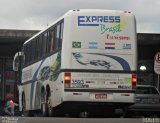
(48, 42)
(33, 49)
(57, 37)
(52, 41)
(61, 35)
(44, 37)
(25, 51)
(40, 43)
(27, 54)
(37, 48)
(29, 47)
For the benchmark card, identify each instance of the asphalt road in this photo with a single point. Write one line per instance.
(76, 120)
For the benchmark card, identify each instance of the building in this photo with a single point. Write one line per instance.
(10, 42)
(148, 46)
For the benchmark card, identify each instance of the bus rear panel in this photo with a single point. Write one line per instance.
(100, 57)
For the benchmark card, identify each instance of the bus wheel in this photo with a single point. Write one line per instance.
(24, 112)
(83, 114)
(43, 105)
(49, 106)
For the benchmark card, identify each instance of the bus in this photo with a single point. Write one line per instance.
(85, 60)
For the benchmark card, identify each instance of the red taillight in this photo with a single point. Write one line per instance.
(134, 80)
(67, 80)
(125, 94)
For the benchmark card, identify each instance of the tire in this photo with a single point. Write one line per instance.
(24, 112)
(43, 105)
(49, 106)
(83, 114)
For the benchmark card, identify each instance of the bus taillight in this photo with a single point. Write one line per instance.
(134, 80)
(67, 80)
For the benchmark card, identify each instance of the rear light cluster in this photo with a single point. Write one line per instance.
(67, 80)
(134, 80)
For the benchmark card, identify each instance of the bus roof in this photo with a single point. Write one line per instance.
(73, 11)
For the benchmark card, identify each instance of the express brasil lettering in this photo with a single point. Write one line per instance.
(95, 20)
(113, 29)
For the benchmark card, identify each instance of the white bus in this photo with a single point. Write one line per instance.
(85, 60)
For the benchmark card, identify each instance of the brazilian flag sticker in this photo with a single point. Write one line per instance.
(76, 44)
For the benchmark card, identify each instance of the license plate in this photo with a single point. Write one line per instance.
(100, 96)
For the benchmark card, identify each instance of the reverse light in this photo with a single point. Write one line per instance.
(67, 80)
(134, 80)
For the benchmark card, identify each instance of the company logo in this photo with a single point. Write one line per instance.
(93, 45)
(109, 45)
(76, 44)
(95, 20)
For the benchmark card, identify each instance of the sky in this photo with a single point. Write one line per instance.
(37, 14)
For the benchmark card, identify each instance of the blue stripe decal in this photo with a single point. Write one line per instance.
(88, 24)
(33, 83)
(124, 63)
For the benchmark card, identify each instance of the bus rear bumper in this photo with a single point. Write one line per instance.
(110, 96)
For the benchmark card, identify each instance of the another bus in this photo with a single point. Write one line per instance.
(85, 60)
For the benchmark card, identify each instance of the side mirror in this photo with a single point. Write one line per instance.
(17, 61)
